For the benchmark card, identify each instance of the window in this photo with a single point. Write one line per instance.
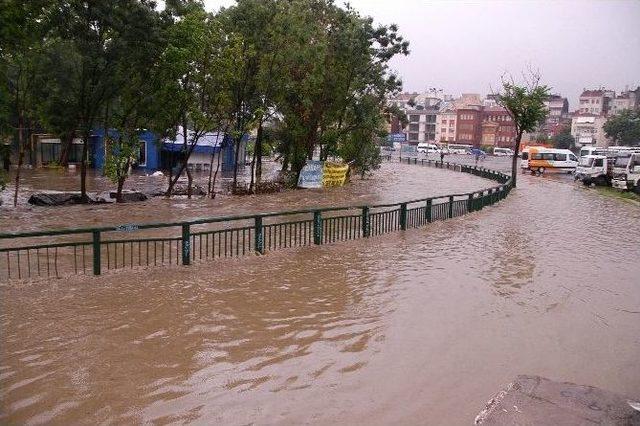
(414, 127)
(599, 162)
(414, 118)
(560, 157)
(547, 156)
(413, 136)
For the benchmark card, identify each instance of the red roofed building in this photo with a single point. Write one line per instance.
(498, 128)
(595, 101)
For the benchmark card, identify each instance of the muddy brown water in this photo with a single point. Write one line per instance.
(418, 327)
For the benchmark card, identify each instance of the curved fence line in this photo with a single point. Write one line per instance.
(63, 252)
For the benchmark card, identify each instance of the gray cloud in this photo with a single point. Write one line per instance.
(464, 46)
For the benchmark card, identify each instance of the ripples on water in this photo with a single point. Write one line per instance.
(415, 327)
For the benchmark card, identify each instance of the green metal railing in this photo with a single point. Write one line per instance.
(96, 250)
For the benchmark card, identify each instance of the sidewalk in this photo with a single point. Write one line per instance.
(533, 400)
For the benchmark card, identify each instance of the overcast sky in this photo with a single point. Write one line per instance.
(464, 46)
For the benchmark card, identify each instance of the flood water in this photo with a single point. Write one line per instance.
(416, 327)
(392, 183)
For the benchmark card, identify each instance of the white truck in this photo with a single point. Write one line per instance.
(595, 169)
(626, 172)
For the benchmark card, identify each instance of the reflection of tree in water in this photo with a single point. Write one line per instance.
(179, 339)
(512, 261)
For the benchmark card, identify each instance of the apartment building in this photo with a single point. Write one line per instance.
(595, 101)
(557, 117)
(587, 130)
(422, 125)
(446, 120)
(469, 125)
(498, 128)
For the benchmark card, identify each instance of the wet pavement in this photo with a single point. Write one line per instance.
(417, 327)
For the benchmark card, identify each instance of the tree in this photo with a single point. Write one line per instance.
(20, 35)
(56, 107)
(97, 35)
(196, 70)
(564, 139)
(134, 105)
(525, 105)
(395, 112)
(120, 156)
(335, 60)
(624, 128)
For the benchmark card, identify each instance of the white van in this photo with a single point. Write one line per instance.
(503, 152)
(427, 148)
(539, 159)
(458, 148)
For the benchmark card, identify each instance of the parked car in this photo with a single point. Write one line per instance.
(477, 151)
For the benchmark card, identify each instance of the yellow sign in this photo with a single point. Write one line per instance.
(334, 174)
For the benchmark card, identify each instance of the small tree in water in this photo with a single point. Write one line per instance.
(525, 105)
(120, 158)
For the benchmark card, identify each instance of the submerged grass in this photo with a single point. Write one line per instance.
(616, 193)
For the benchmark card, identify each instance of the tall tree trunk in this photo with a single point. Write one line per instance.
(189, 182)
(285, 158)
(122, 177)
(215, 176)
(20, 156)
(258, 149)
(67, 143)
(183, 166)
(185, 134)
(121, 180)
(209, 187)
(83, 165)
(253, 167)
(256, 161)
(236, 156)
(514, 160)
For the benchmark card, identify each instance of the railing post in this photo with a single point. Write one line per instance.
(366, 222)
(470, 204)
(403, 216)
(317, 227)
(96, 253)
(428, 210)
(186, 244)
(450, 206)
(481, 203)
(259, 235)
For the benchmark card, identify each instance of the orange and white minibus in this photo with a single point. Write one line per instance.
(541, 159)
